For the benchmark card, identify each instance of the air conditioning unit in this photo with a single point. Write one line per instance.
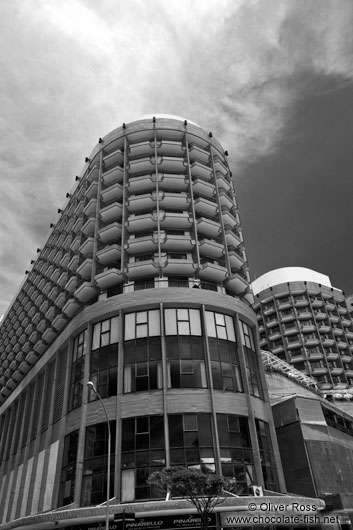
(257, 491)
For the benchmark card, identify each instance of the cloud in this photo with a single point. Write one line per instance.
(75, 70)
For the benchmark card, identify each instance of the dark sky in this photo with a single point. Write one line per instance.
(296, 204)
(272, 79)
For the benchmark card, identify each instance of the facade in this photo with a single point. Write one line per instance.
(142, 288)
(306, 322)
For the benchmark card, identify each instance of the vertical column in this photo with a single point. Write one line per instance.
(198, 264)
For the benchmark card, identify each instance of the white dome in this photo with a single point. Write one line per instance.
(288, 274)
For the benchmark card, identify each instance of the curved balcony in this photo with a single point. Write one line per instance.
(301, 303)
(109, 278)
(337, 332)
(316, 356)
(206, 207)
(171, 241)
(317, 303)
(203, 188)
(112, 193)
(141, 165)
(201, 170)
(225, 200)
(111, 213)
(108, 254)
(311, 341)
(319, 371)
(174, 220)
(84, 293)
(143, 222)
(236, 283)
(277, 350)
(171, 182)
(324, 328)
(90, 208)
(319, 315)
(141, 203)
(349, 373)
(197, 154)
(49, 335)
(86, 249)
(220, 166)
(141, 149)
(141, 243)
(213, 269)
(342, 310)
(70, 286)
(92, 190)
(59, 321)
(73, 263)
(77, 225)
(336, 371)
(113, 159)
(210, 247)
(294, 343)
(235, 259)
(169, 147)
(109, 233)
(346, 321)
(85, 268)
(208, 227)
(233, 238)
(342, 345)
(177, 265)
(171, 164)
(291, 330)
(223, 183)
(89, 227)
(304, 315)
(114, 175)
(229, 220)
(144, 183)
(143, 266)
(334, 318)
(328, 342)
(168, 200)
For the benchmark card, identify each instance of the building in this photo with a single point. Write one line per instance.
(315, 439)
(142, 288)
(306, 322)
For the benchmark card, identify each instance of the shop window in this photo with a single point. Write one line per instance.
(268, 463)
(143, 451)
(142, 364)
(94, 480)
(67, 480)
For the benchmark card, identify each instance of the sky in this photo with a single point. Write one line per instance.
(272, 80)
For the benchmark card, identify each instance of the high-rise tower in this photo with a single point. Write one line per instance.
(306, 322)
(142, 288)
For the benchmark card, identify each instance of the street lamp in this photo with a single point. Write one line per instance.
(91, 385)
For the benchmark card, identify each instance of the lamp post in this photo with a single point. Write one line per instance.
(91, 385)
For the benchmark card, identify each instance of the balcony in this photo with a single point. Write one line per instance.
(144, 222)
(319, 371)
(337, 332)
(59, 321)
(208, 227)
(233, 238)
(291, 330)
(71, 284)
(277, 350)
(89, 227)
(304, 315)
(91, 192)
(320, 315)
(85, 268)
(316, 356)
(144, 183)
(109, 278)
(168, 147)
(168, 200)
(317, 303)
(301, 303)
(220, 166)
(235, 259)
(341, 345)
(174, 221)
(112, 193)
(274, 335)
(141, 203)
(174, 264)
(143, 266)
(49, 335)
(332, 356)
(324, 328)
(171, 241)
(90, 208)
(197, 154)
(206, 207)
(328, 342)
(237, 283)
(333, 318)
(84, 293)
(73, 263)
(111, 213)
(170, 182)
(226, 201)
(110, 233)
(108, 254)
(76, 227)
(229, 220)
(287, 317)
(213, 269)
(295, 343)
(201, 170)
(223, 183)
(209, 247)
(201, 187)
(312, 341)
(113, 159)
(113, 176)
(336, 371)
(171, 164)
(86, 249)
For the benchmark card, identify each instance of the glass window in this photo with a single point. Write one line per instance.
(77, 367)
(247, 337)
(105, 333)
(267, 457)
(225, 365)
(185, 362)
(142, 364)
(220, 326)
(67, 481)
(142, 324)
(182, 321)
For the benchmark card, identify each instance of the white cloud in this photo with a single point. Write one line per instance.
(76, 69)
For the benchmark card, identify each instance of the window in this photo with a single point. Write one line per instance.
(220, 326)
(225, 365)
(104, 358)
(142, 324)
(67, 481)
(235, 450)
(143, 451)
(94, 481)
(182, 322)
(247, 337)
(78, 358)
(253, 371)
(142, 364)
(268, 463)
(191, 441)
(185, 361)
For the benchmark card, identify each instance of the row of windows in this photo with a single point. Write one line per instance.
(191, 444)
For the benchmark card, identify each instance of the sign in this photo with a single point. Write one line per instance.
(164, 522)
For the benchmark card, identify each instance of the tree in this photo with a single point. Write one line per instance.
(204, 491)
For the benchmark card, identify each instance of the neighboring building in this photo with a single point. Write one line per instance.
(306, 322)
(315, 438)
(111, 299)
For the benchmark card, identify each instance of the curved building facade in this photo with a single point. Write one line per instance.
(306, 322)
(142, 288)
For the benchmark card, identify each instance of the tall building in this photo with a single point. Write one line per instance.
(142, 288)
(306, 322)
